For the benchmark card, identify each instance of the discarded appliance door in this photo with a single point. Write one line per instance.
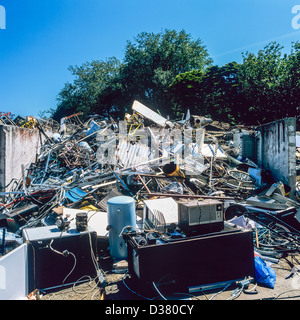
(150, 114)
(13, 275)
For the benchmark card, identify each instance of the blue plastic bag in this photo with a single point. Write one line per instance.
(264, 274)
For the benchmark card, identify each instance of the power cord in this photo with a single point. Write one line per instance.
(161, 295)
(100, 274)
(134, 292)
(64, 253)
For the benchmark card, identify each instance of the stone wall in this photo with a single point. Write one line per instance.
(277, 150)
(18, 146)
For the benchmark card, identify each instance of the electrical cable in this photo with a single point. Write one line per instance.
(126, 227)
(134, 292)
(252, 290)
(174, 293)
(77, 288)
(277, 297)
(161, 295)
(99, 272)
(86, 292)
(75, 262)
(56, 251)
(65, 254)
(236, 293)
(212, 297)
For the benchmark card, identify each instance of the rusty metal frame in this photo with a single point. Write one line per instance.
(154, 194)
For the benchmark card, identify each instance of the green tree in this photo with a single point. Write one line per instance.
(172, 72)
(92, 80)
(215, 93)
(153, 61)
(291, 88)
(187, 92)
(224, 100)
(270, 82)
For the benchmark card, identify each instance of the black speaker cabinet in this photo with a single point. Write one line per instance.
(49, 269)
(217, 257)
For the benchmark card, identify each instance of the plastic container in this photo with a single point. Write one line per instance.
(120, 214)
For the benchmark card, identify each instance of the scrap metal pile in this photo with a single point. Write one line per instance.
(83, 164)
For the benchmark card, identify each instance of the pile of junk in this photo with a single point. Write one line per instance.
(176, 205)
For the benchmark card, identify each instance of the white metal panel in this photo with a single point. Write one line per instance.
(13, 274)
(208, 150)
(167, 206)
(148, 113)
(129, 155)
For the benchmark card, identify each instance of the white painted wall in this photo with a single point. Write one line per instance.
(17, 146)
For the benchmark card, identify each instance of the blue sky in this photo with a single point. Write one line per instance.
(43, 38)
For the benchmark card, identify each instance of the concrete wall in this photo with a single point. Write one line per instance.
(17, 146)
(277, 150)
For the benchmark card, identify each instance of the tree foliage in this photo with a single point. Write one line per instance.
(91, 90)
(270, 81)
(151, 63)
(263, 88)
(172, 72)
(216, 93)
